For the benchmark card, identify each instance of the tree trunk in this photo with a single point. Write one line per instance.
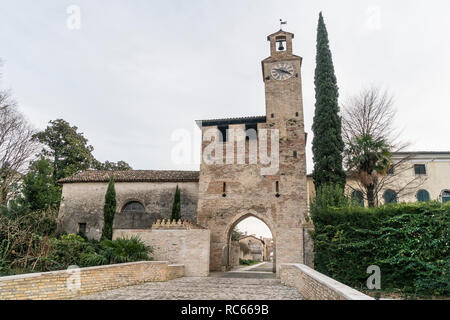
(371, 195)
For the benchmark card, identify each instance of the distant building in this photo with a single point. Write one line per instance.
(417, 176)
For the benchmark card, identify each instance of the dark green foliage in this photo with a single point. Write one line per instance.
(112, 166)
(109, 210)
(236, 234)
(409, 242)
(247, 262)
(39, 193)
(67, 149)
(176, 208)
(125, 250)
(327, 144)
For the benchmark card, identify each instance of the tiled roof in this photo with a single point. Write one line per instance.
(228, 121)
(133, 176)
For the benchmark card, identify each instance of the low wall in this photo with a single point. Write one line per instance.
(67, 284)
(189, 247)
(314, 285)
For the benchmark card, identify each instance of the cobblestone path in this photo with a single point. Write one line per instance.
(215, 287)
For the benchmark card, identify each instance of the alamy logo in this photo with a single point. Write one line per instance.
(73, 281)
(74, 19)
(263, 146)
(374, 281)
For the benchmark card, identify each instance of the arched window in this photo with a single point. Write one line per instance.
(133, 206)
(390, 196)
(358, 197)
(445, 196)
(423, 196)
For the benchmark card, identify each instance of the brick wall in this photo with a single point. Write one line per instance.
(66, 284)
(189, 247)
(314, 285)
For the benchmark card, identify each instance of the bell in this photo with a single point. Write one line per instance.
(281, 47)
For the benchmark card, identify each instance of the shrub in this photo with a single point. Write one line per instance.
(409, 242)
(246, 262)
(125, 250)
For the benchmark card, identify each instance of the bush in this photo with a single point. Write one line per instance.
(246, 262)
(409, 242)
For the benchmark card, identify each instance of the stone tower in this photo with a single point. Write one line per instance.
(232, 190)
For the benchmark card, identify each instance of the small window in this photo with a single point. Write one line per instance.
(82, 228)
(223, 131)
(224, 189)
(423, 196)
(390, 196)
(277, 189)
(272, 115)
(133, 206)
(445, 196)
(358, 198)
(420, 169)
(296, 114)
(251, 131)
(295, 154)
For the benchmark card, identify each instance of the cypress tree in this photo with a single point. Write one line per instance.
(327, 145)
(109, 210)
(176, 212)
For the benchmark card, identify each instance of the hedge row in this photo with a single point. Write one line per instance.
(409, 242)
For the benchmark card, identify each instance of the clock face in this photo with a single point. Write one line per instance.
(282, 71)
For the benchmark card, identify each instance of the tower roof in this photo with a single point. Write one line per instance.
(280, 33)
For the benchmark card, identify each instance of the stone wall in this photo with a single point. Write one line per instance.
(313, 285)
(235, 251)
(83, 203)
(189, 247)
(67, 284)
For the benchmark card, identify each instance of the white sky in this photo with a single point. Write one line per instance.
(254, 226)
(139, 70)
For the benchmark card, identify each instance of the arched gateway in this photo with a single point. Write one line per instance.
(256, 166)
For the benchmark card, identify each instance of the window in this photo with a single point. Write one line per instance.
(423, 196)
(420, 169)
(223, 131)
(272, 115)
(445, 196)
(358, 198)
(277, 189)
(224, 189)
(296, 114)
(82, 227)
(133, 206)
(295, 154)
(390, 196)
(251, 131)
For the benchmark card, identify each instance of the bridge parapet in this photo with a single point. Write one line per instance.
(313, 285)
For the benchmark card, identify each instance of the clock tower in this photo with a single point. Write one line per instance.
(231, 191)
(282, 79)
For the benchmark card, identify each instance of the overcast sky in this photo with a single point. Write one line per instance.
(136, 71)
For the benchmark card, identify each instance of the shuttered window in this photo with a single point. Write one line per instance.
(423, 196)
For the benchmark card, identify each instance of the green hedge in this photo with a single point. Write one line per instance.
(409, 242)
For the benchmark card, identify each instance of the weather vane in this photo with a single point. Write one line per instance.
(281, 23)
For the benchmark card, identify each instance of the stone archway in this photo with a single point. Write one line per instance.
(226, 252)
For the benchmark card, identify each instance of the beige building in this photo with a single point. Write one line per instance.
(256, 248)
(416, 176)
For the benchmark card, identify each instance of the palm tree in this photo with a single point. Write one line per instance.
(367, 159)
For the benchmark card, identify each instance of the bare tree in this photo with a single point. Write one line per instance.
(371, 140)
(16, 145)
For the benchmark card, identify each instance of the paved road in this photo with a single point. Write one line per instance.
(219, 286)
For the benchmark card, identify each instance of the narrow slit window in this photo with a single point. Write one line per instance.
(295, 154)
(224, 189)
(82, 228)
(277, 189)
(296, 114)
